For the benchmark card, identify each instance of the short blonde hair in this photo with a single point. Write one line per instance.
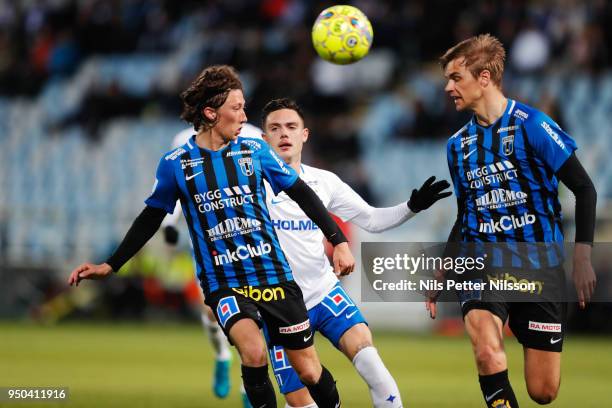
(480, 52)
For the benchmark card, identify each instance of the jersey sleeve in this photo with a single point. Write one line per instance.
(344, 202)
(551, 144)
(349, 206)
(275, 171)
(165, 190)
(174, 217)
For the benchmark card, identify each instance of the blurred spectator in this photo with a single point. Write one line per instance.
(56, 35)
(64, 56)
(589, 50)
(103, 104)
(530, 50)
(41, 50)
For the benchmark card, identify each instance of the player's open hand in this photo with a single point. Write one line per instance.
(583, 274)
(89, 271)
(428, 194)
(344, 263)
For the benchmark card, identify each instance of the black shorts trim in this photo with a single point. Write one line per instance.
(280, 307)
(536, 325)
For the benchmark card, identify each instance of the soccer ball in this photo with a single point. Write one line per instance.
(342, 34)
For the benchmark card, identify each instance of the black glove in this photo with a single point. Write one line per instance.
(428, 194)
(171, 235)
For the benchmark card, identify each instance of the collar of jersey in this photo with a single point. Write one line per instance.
(506, 112)
(214, 152)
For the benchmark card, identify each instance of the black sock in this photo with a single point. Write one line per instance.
(258, 387)
(325, 393)
(497, 390)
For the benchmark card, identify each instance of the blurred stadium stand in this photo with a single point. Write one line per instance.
(89, 102)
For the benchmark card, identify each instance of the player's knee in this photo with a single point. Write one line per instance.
(490, 358)
(253, 355)
(543, 397)
(544, 393)
(309, 374)
(355, 339)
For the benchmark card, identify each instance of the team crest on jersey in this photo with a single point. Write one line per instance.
(246, 166)
(508, 144)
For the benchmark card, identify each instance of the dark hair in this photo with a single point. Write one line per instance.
(210, 89)
(278, 104)
(480, 52)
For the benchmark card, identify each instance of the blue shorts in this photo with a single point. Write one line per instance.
(332, 317)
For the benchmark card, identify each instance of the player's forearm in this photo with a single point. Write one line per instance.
(573, 175)
(582, 252)
(381, 219)
(586, 202)
(312, 206)
(142, 229)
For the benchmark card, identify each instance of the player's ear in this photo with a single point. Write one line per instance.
(305, 134)
(485, 77)
(209, 113)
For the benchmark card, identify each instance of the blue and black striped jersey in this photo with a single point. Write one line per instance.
(223, 200)
(504, 174)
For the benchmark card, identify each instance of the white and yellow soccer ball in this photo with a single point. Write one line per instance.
(342, 34)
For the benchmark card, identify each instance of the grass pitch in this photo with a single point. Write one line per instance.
(171, 366)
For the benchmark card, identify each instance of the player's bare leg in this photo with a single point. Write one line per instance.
(356, 343)
(485, 332)
(250, 344)
(299, 399)
(318, 379)
(542, 374)
(221, 380)
(306, 363)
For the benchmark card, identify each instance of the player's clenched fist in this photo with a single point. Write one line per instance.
(344, 263)
(89, 271)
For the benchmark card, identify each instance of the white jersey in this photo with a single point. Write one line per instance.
(302, 240)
